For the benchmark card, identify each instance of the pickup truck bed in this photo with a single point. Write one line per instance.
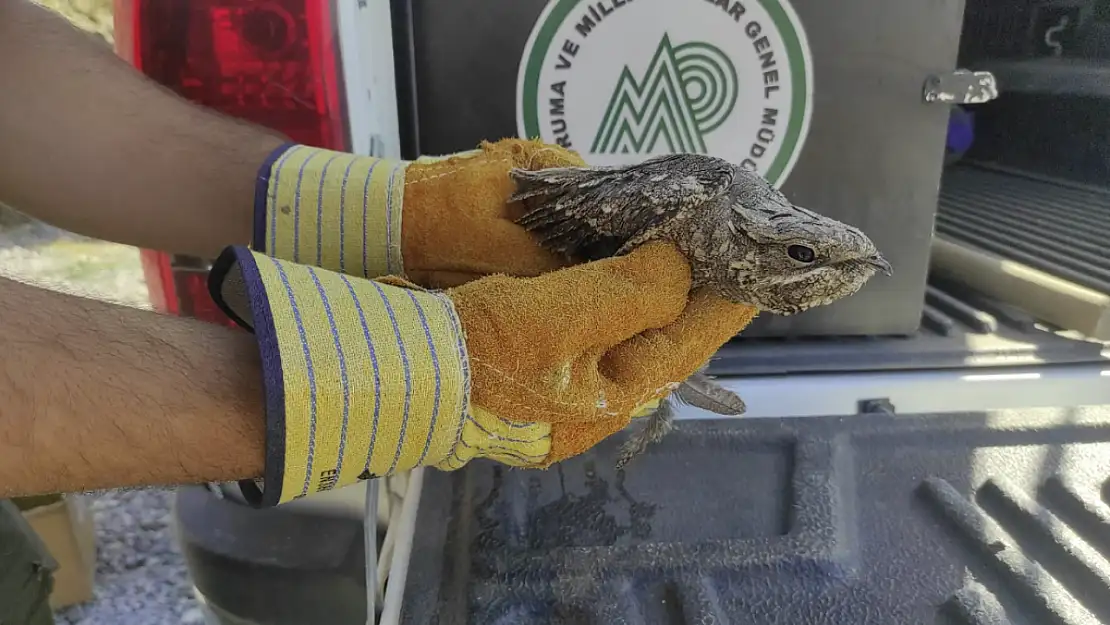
(897, 507)
(962, 445)
(975, 518)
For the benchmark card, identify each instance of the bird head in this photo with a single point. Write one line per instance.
(792, 259)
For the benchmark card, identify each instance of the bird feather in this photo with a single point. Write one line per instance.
(594, 212)
(702, 391)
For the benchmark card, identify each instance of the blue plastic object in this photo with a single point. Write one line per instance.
(961, 131)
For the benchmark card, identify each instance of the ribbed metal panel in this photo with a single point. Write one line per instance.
(960, 328)
(1058, 227)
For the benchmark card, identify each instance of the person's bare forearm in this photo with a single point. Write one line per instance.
(95, 395)
(90, 145)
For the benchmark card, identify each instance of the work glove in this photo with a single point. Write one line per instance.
(439, 221)
(365, 378)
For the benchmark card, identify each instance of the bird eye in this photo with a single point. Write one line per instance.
(801, 253)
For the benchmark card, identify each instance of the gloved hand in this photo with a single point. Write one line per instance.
(438, 221)
(368, 377)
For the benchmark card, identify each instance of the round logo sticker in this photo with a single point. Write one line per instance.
(620, 81)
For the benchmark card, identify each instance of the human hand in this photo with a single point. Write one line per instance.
(365, 378)
(438, 221)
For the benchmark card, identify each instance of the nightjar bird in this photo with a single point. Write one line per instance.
(743, 238)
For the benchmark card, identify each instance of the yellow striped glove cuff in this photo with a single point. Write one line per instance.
(361, 378)
(330, 209)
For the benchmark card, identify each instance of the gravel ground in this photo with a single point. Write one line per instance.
(140, 574)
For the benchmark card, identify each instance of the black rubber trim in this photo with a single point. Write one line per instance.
(278, 566)
(404, 65)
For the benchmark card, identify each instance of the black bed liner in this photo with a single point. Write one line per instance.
(998, 518)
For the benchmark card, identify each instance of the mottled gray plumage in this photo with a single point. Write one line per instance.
(744, 239)
(700, 391)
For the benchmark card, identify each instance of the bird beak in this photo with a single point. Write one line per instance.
(877, 261)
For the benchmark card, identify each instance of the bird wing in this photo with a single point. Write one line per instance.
(592, 212)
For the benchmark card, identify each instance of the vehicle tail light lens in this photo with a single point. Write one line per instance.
(158, 271)
(192, 288)
(271, 62)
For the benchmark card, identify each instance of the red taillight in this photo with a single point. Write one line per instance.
(272, 62)
(192, 287)
(180, 290)
(158, 271)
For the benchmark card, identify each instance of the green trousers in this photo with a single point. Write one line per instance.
(26, 571)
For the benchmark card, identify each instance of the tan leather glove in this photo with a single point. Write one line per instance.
(586, 348)
(438, 221)
(368, 377)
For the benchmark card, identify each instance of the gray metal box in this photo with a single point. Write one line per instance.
(824, 98)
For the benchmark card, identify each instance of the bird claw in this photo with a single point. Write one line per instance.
(657, 425)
